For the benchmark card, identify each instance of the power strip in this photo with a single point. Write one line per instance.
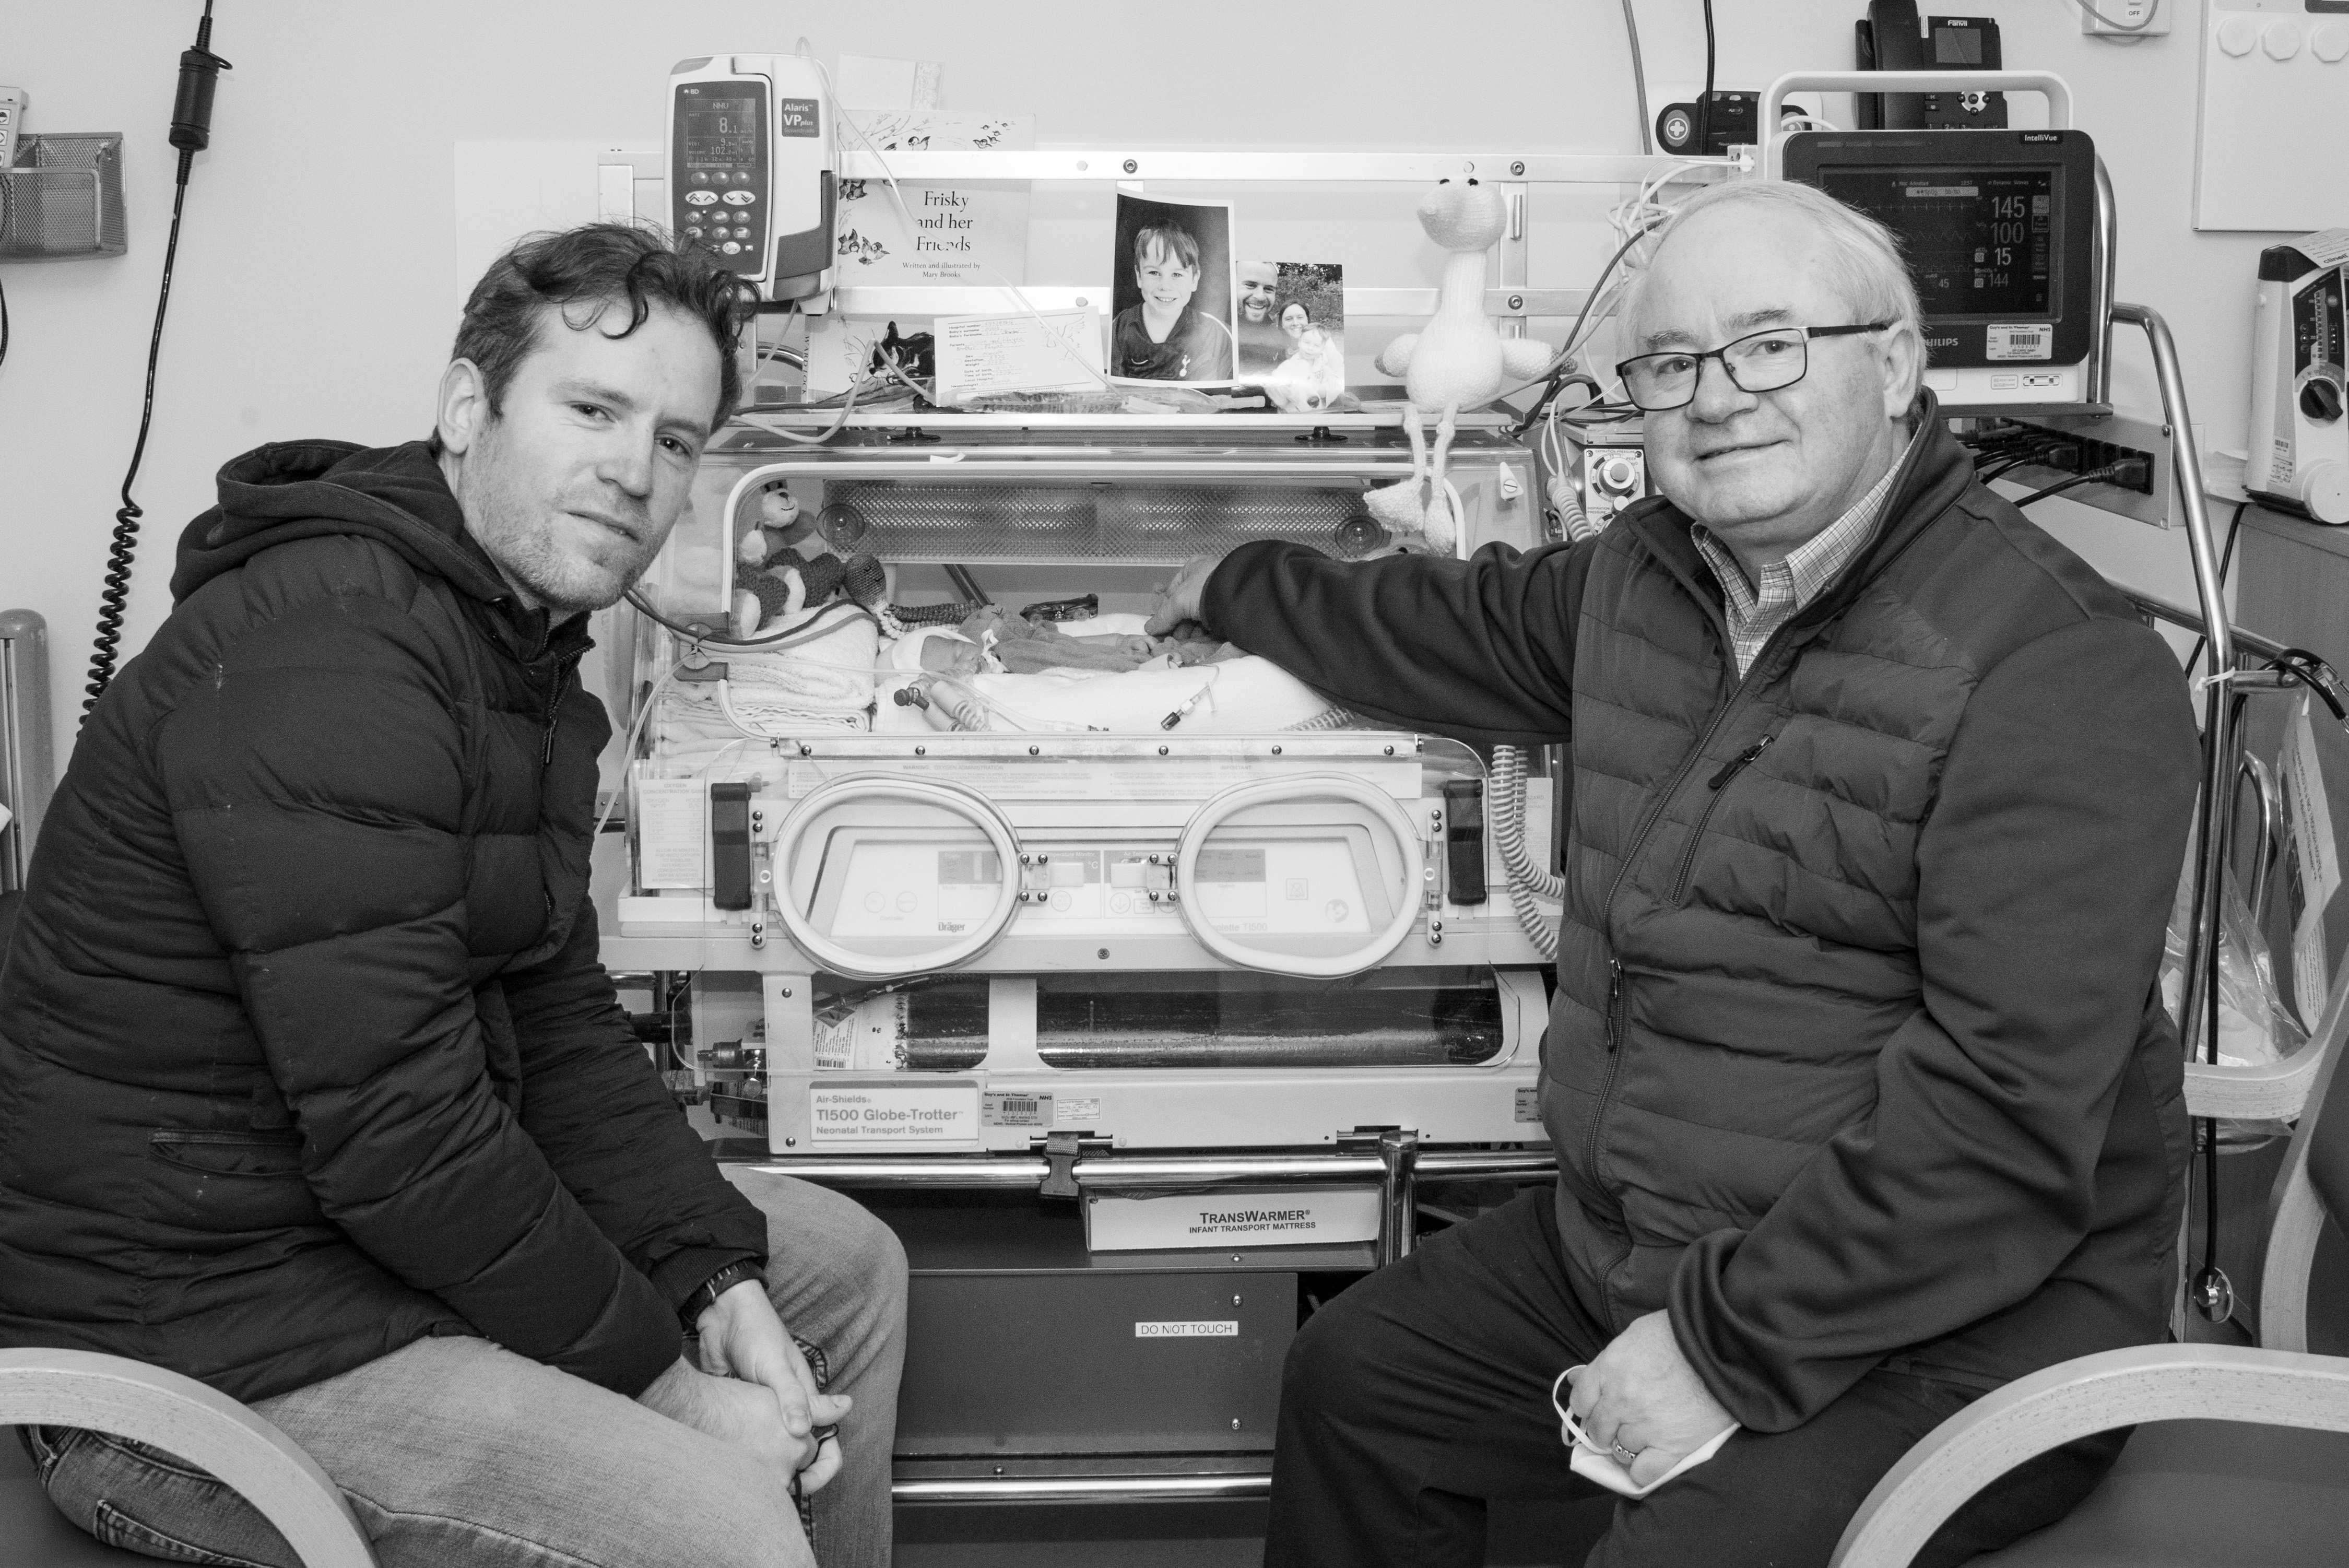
(2099, 442)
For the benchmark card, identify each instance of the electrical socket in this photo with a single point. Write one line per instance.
(12, 102)
(2136, 19)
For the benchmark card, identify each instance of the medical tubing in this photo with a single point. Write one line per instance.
(905, 213)
(628, 749)
(830, 431)
(1526, 881)
(707, 638)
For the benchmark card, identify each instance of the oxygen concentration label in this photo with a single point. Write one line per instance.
(892, 1115)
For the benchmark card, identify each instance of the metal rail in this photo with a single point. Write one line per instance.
(1086, 1488)
(1395, 1163)
(2154, 607)
(1066, 164)
(1125, 1173)
(27, 774)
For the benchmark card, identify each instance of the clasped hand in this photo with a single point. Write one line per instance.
(1641, 1393)
(753, 1389)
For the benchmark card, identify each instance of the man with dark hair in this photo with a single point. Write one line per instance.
(312, 1085)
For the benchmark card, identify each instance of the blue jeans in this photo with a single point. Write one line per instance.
(456, 1454)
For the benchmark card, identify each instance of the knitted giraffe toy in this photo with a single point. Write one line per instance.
(1457, 361)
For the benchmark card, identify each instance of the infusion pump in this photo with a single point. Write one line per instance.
(752, 171)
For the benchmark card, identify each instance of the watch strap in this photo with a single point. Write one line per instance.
(705, 1294)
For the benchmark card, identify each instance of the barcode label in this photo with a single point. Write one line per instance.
(2018, 341)
(1009, 1110)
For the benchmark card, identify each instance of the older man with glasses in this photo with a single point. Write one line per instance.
(1864, 1096)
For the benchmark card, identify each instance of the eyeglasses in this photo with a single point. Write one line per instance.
(1760, 362)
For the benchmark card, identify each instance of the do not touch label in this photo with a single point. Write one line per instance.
(1197, 1328)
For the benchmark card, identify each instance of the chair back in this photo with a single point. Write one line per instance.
(2315, 1181)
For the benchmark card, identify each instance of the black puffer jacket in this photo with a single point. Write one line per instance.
(305, 1047)
(1855, 1057)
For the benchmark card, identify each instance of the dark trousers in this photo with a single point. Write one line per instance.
(1422, 1392)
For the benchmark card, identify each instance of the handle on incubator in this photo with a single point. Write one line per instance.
(858, 788)
(2047, 84)
(1280, 792)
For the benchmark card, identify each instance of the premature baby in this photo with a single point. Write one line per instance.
(994, 639)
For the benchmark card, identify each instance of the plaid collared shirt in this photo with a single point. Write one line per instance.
(1756, 611)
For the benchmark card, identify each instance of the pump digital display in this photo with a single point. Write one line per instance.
(1979, 241)
(720, 132)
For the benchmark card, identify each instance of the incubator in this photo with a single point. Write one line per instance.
(1159, 897)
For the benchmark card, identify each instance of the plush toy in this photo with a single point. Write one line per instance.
(788, 588)
(1457, 361)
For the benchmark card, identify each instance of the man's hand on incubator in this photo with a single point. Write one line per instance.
(1641, 1393)
(753, 1389)
(1180, 600)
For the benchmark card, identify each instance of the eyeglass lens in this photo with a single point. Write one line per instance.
(1761, 363)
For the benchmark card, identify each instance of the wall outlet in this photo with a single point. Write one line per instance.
(2128, 18)
(12, 121)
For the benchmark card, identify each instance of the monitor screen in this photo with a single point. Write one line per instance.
(1979, 241)
(721, 132)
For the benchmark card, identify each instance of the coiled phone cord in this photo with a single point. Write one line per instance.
(192, 115)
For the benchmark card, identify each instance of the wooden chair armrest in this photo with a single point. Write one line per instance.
(2093, 1394)
(205, 1427)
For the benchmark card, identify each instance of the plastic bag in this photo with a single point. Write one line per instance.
(2255, 1027)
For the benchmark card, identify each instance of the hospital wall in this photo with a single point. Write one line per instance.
(322, 255)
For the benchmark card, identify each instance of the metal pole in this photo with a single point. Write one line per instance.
(1399, 1193)
(2218, 726)
(2108, 225)
(27, 774)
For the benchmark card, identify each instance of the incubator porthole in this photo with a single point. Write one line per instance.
(841, 524)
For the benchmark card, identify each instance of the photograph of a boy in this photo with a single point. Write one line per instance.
(1174, 293)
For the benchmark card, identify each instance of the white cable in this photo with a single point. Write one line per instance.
(905, 214)
(1638, 78)
(1526, 881)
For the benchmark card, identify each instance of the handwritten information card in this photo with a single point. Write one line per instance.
(1048, 351)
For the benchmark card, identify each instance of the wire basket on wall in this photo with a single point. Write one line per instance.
(63, 199)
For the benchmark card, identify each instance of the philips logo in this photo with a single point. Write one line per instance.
(1941, 342)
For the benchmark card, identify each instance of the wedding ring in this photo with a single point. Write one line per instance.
(1623, 1453)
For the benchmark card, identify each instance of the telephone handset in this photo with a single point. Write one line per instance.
(1891, 37)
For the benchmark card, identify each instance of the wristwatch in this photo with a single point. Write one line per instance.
(704, 1295)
